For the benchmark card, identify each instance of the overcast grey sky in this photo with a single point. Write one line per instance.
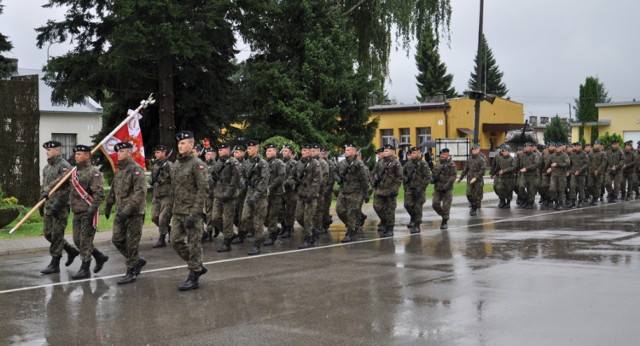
(546, 48)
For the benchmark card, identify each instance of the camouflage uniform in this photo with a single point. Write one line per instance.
(162, 198)
(597, 166)
(242, 193)
(417, 176)
(558, 181)
(579, 171)
(225, 194)
(318, 218)
(475, 167)
(328, 193)
(128, 192)
(308, 179)
(254, 211)
(190, 190)
(388, 179)
(529, 180)
(504, 183)
(636, 181)
(290, 198)
(278, 175)
(354, 188)
(628, 174)
(443, 176)
(83, 231)
(56, 208)
(613, 179)
(545, 178)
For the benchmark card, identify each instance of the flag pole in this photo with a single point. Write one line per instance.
(143, 104)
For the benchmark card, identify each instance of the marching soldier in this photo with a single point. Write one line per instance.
(597, 167)
(474, 170)
(558, 164)
(210, 159)
(327, 220)
(636, 180)
(318, 219)
(354, 189)
(86, 195)
(579, 169)
(613, 179)
(225, 194)
(238, 154)
(308, 179)
(256, 176)
(417, 176)
(128, 192)
(443, 176)
(190, 190)
(55, 211)
(545, 178)
(277, 177)
(503, 172)
(529, 168)
(162, 194)
(290, 197)
(628, 171)
(387, 183)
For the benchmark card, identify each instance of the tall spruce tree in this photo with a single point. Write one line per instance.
(5, 46)
(591, 92)
(432, 77)
(491, 74)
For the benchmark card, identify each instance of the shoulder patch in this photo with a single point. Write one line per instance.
(201, 167)
(96, 174)
(136, 173)
(64, 169)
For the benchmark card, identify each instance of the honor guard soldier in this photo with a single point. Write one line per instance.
(190, 189)
(277, 177)
(443, 176)
(238, 154)
(210, 159)
(354, 189)
(290, 197)
(308, 177)
(503, 172)
(318, 219)
(579, 170)
(613, 179)
(86, 195)
(162, 194)
(474, 170)
(417, 177)
(225, 194)
(327, 220)
(529, 168)
(256, 177)
(55, 210)
(128, 192)
(628, 171)
(387, 183)
(557, 167)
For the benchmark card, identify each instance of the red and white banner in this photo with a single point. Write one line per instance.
(130, 133)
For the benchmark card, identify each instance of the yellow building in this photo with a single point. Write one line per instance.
(622, 118)
(450, 118)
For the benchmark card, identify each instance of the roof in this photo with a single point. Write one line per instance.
(89, 106)
(410, 107)
(617, 104)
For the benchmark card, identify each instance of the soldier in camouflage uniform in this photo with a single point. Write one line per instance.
(529, 168)
(128, 192)
(239, 154)
(327, 220)
(443, 176)
(210, 159)
(190, 190)
(596, 171)
(308, 177)
(474, 170)
(86, 195)
(354, 189)
(557, 167)
(628, 171)
(55, 210)
(290, 197)
(613, 179)
(256, 176)
(503, 173)
(387, 183)
(162, 197)
(277, 177)
(545, 178)
(318, 219)
(579, 171)
(417, 176)
(636, 181)
(227, 170)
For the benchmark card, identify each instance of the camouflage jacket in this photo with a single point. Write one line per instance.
(562, 161)
(475, 167)
(615, 158)
(128, 189)
(505, 164)
(277, 177)
(417, 175)
(308, 177)
(629, 163)
(290, 180)
(546, 160)
(56, 168)
(228, 173)
(388, 177)
(161, 178)
(324, 167)
(353, 176)
(597, 162)
(579, 163)
(256, 177)
(530, 161)
(91, 181)
(638, 161)
(331, 179)
(190, 185)
(444, 175)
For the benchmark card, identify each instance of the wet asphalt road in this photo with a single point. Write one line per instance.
(514, 277)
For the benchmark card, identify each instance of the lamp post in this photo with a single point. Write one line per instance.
(478, 78)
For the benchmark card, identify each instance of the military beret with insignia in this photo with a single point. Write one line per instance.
(183, 135)
(444, 150)
(83, 148)
(598, 142)
(587, 145)
(51, 144)
(252, 143)
(519, 148)
(628, 143)
(209, 150)
(160, 147)
(122, 145)
(615, 140)
(540, 147)
(389, 146)
(349, 145)
(316, 146)
(240, 147)
(414, 149)
(529, 144)
(198, 147)
(306, 146)
(323, 149)
(559, 144)
(287, 146)
(577, 143)
(379, 150)
(552, 144)
(224, 145)
(271, 146)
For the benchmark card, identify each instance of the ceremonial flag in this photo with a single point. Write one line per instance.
(129, 133)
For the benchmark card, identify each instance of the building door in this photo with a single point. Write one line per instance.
(632, 136)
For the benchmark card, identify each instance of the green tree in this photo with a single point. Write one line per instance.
(491, 74)
(432, 77)
(5, 45)
(607, 138)
(556, 131)
(591, 92)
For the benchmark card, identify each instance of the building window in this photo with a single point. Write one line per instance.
(386, 136)
(68, 140)
(544, 120)
(424, 134)
(405, 136)
(533, 120)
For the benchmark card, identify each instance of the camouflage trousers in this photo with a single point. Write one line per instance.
(161, 213)
(594, 185)
(83, 234)
(54, 231)
(475, 192)
(237, 220)
(326, 206)
(442, 203)
(288, 211)
(576, 187)
(306, 211)
(222, 215)
(557, 187)
(628, 183)
(187, 242)
(543, 188)
(503, 186)
(349, 209)
(414, 199)
(528, 187)
(275, 206)
(385, 207)
(253, 217)
(612, 183)
(126, 238)
(318, 218)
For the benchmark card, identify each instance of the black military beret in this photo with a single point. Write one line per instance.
(252, 143)
(379, 150)
(122, 145)
(348, 145)
(160, 147)
(316, 146)
(240, 147)
(183, 135)
(224, 145)
(51, 144)
(587, 145)
(577, 143)
(615, 140)
(389, 146)
(271, 146)
(444, 150)
(81, 147)
(287, 146)
(306, 146)
(540, 147)
(209, 150)
(414, 149)
(198, 147)
(559, 144)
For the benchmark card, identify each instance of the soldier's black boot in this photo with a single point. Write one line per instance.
(251, 234)
(84, 272)
(380, 228)
(161, 241)
(207, 236)
(53, 267)
(72, 253)
(349, 236)
(138, 267)
(415, 229)
(573, 203)
(507, 204)
(501, 204)
(410, 225)
(473, 211)
(226, 245)
(128, 278)
(256, 247)
(388, 231)
(306, 243)
(240, 238)
(100, 258)
(271, 239)
(286, 232)
(444, 225)
(216, 232)
(192, 281)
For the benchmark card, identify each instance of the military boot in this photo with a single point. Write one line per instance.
(207, 236)
(84, 272)
(72, 253)
(53, 267)
(256, 248)
(579, 204)
(141, 263)
(444, 225)
(415, 229)
(529, 205)
(192, 281)
(101, 259)
(380, 228)
(501, 204)
(251, 234)
(573, 203)
(161, 242)
(286, 232)
(240, 238)
(226, 245)
(623, 197)
(306, 243)
(388, 232)
(348, 237)
(128, 278)
(473, 211)
(410, 225)
(216, 232)
(271, 239)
